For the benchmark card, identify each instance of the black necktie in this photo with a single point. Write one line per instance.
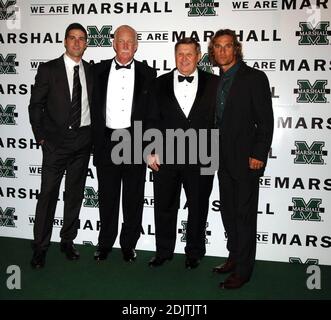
(76, 101)
(182, 78)
(118, 66)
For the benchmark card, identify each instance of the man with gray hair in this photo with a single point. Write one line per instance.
(119, 99)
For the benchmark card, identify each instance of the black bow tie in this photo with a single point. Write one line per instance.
(182, 78)
(118, 66)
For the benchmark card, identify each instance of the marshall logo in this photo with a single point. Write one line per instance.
(8, 64)
(87, 243)
(205, 64)
(7, 10)
(313, 36)
(309, 155)
(183, 231)
(7, 115)
(201, 8)
(91, 199)
(306, 211)
(312, 93)
(100, 38)
(299, 261)
(7, 168)
(7, 217)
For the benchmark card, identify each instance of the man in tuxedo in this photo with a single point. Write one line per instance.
(182, 99)
(244, 117)
(119, 100)
(60, 119)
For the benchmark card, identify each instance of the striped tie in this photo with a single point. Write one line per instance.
(76, 102)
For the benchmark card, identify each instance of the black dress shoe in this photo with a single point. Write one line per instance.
(69, 250)
(158, 261)
(101, 254)
(129, 255)
(226, 267)
(38, 259)
(191, 263)
(234, 281)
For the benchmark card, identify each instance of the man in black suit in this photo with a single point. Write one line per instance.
(244, 117)
(182, 99)
(60, 119)
(119, 100)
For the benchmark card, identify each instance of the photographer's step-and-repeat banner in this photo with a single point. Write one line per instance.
(287, 39)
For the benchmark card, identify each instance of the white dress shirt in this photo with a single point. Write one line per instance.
(69, 64)
(185, 92)
(119, 97)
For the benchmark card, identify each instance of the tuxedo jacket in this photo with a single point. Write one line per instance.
(143, 78)
(166, 113)
(247, 124)
(50, 102)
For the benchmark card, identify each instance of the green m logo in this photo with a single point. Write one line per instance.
(303, 211)
(100, 38)
(309, 155)
(309, 261)
(7, 168)
(7, 217)
(91, 199)
(7, 10)
(312, 93)
(205, 64)
(201, 8)
(311, 36)
(183, 231)
(7, 115)
(8, 64)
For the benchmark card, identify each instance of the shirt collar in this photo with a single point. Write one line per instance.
(194, 74)
(71, 63)
(121, 64)
(231, 72)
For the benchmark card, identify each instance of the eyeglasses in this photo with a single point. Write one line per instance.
(227, 46)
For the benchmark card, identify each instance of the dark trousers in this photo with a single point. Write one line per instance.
(167, 189)
(71, 157)
(111, 177)
(239, 205)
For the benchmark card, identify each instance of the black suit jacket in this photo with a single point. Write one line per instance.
(166, 113)
(144, 76)
(50, 102)
(247, 122)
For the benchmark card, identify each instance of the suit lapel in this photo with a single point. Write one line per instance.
(62, 84)
(236, 81)
(138, 81)
(103, 84)
(88, 77)
(198, 96)
(234, 89)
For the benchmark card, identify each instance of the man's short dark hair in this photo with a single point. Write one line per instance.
(75, 26)
(189, 41)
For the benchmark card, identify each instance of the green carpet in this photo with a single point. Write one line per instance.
(117, 280)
